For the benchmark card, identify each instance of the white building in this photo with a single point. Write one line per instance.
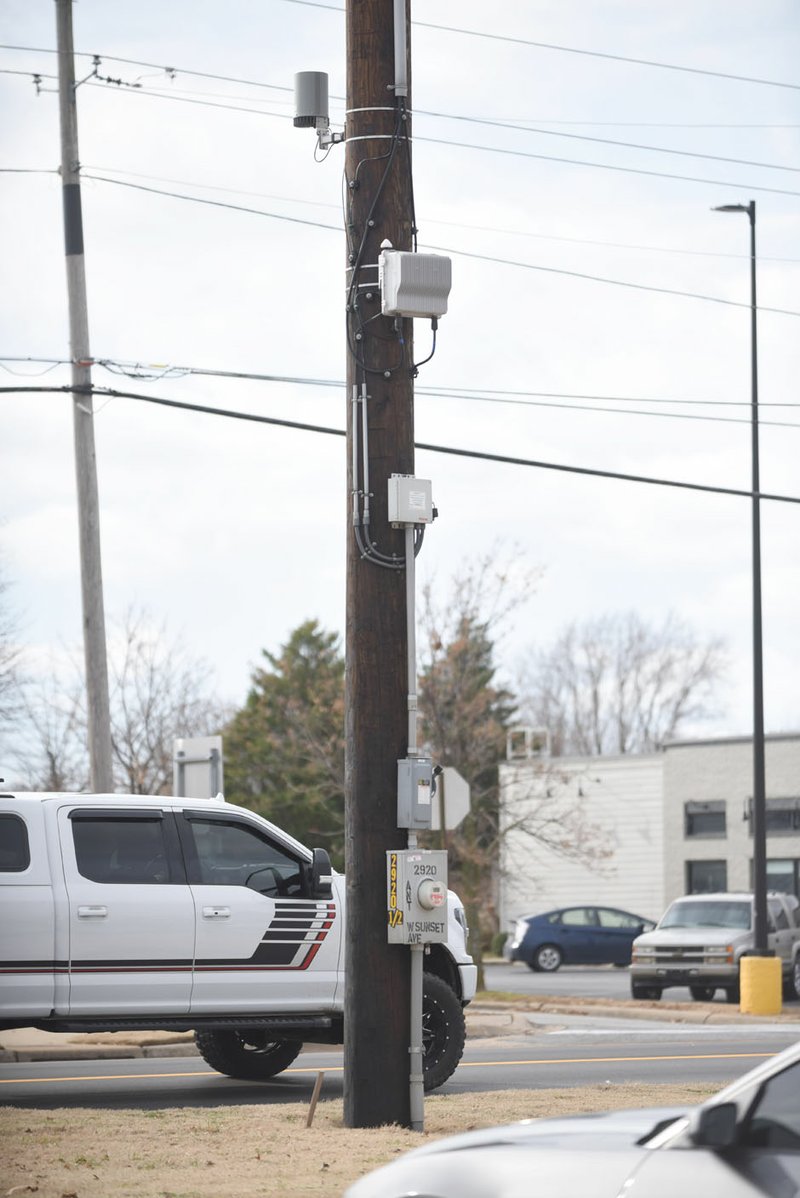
(647, 827)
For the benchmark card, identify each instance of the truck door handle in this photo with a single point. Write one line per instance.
(92, 912)
(216, 912)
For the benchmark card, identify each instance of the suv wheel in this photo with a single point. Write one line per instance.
(250, 1054)
(443, 1031)
(702, 993)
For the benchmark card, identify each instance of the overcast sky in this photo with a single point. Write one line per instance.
(234, 532)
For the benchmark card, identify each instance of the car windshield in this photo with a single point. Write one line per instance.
(724, 913)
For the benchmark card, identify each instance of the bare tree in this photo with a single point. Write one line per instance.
(158, 692)
(466, 714)
(619, 685)
(52, 754)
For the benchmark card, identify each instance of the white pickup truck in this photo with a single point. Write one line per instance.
(701, 938)
(123, 913)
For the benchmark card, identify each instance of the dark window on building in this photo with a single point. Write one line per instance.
(15, 855)
(706, 877)
(704, 819)
(782, 817)
(783, 875)
(121, 851)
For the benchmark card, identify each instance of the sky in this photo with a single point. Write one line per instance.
(599, 317)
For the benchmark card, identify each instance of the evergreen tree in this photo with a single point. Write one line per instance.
(284, 749)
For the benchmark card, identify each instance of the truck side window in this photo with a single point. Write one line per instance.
(15, 854)
(121, 851)
(231, 854)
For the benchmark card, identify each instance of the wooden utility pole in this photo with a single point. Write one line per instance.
(379, 362)
(94, 627)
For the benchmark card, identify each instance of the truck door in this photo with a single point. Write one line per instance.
(263, 944)
(27, 916)
(131, 915)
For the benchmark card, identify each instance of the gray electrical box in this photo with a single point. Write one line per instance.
(416, 894)
(410, 500)
(413, 284)
(414, 792)
(197, 767)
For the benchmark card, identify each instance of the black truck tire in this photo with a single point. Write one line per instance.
(645, 991)
(443, 1031)
(250, 1055)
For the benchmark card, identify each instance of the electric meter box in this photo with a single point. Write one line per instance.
(410, 500)
(414, 284)
(416, 892)
(414, 792)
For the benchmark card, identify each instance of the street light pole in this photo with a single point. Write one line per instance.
(759, 783)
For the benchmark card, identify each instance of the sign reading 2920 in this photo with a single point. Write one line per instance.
(416, 896)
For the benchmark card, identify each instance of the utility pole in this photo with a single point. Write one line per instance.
(94, 631)
(381, 443)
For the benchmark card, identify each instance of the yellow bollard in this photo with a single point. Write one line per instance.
(761, 983)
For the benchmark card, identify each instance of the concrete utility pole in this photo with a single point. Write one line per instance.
(94, 629)
(379, 357)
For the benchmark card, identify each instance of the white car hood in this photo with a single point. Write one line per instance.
(504, 1168)
(690, 937)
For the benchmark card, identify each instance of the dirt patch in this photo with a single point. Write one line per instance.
(257, 1151)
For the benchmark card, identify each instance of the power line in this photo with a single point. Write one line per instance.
(603, 141)
(519, 121)
(603, 166)
(713, 299)
(163, 371)
(295, 220)
(516, 126)
(503, 459)
(615, 245)
(496, 124)
(154, 66)
(519, 41)
(463, 253)
(519, 128)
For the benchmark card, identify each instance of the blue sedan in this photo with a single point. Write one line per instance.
(577, 936)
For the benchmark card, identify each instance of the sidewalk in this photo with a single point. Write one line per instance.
(483, 1019)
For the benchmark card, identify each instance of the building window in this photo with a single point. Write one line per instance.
(704, 819)
(706, 877)
(782, 816)
(783, 875)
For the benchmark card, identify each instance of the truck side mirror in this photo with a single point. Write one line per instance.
(717, 1126)
(321, 875)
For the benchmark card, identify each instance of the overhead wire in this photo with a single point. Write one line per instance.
(522, 398)
(462, 253)
(528, 233)
(521, 41)
(478, 455)
(516, 126)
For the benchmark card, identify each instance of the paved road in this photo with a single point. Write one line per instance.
(580, 981)
(556, 1053)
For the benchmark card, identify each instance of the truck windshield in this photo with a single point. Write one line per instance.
(713, 914)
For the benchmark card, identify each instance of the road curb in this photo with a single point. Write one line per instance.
(484, 1020)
